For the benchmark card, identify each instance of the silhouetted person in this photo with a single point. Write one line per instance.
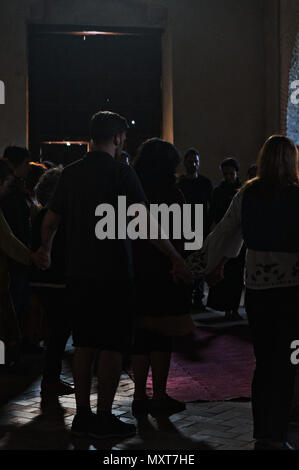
(16, 206)
(99, 271)
(226, 295)
(162, 305)
(10, 247)
(124, 158)
(197, 189)
(264, 213)
(252, 171)
(50, 287)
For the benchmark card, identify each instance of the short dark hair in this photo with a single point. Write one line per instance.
(16, 155)
(5, 170)
(104, 125)
(191, 151)
(230, 162)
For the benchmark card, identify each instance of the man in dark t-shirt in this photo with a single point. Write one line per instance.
(197, 189)
(99, 271)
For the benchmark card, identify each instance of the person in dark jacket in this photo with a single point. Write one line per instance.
(226, 295)
(197, 189)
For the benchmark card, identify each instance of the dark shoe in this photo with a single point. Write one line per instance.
(235, 316)
(200, 307)
(82, 424)
(56, 389)
(232, 315)
(110, 426)
(12, 355)
(272, 445)
(167, 405)
(29, 348)
(141, 407)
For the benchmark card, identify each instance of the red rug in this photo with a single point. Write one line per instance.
(214, 364)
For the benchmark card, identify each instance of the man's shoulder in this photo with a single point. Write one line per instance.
(204, 179)
(220, 186)
(125, 171)
(73, 167)
(73, 171)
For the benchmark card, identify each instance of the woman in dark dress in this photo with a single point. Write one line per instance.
(163, 305)
(226, 295)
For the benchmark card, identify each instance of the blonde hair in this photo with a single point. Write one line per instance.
(277, 163)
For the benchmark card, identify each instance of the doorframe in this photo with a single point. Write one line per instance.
(167, 131)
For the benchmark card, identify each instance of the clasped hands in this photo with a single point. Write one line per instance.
(217, 274)
(41, 258)
(180, 271)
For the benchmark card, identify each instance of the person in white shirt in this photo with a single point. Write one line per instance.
(265, 215)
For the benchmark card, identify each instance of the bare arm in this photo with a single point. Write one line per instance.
(49, 228)
(13, 247)
(223, 243)
(164, 245)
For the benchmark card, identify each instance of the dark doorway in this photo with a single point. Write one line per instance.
(74, 73)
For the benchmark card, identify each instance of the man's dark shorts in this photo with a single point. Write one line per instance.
(102, 313)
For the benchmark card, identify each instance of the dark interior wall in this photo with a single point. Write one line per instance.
(218, 67)
(219, 80)
(13, 72)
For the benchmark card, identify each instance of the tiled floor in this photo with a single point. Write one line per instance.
(27, 423)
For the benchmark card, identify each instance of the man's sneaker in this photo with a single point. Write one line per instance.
(82, 424)
(56, 389)
(167, 405)
(199, 305)
(232, 315)
(110, 426)
(235, 316)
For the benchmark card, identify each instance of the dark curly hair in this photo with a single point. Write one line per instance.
(46, 186)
